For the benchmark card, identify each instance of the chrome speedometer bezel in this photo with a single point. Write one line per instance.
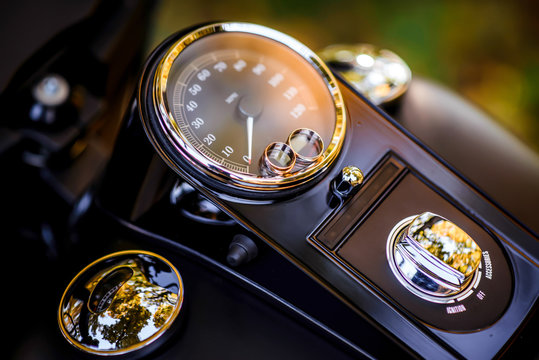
(220, 172)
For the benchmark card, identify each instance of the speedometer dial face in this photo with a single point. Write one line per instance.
(228, 92)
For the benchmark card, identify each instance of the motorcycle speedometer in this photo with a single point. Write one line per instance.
(246, 106)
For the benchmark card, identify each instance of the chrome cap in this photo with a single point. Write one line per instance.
(120, 303)
(379, 74)
(432, 256)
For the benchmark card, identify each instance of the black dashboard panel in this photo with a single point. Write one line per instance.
(371, 136)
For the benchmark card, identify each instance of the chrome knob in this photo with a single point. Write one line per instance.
(433, 257)
(307, 145)
(278, 159)
(349, 178)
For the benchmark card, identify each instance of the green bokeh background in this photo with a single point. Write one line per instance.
(487, 51)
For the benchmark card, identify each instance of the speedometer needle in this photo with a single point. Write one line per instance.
(250, 108)
(250, 137)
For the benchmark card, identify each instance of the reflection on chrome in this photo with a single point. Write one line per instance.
(307, 144)
(446, 241)
(117, 310)
(432, 257)
(352, 175)
(379, 74)
(278, 159)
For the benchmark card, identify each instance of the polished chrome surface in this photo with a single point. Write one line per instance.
(433, 257)
(278, 159)
(348, 178)
(352, 175)
(379, 74)
(116, 306)
(307, 144)
(221, 171)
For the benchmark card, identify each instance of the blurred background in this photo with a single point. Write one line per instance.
(487, 51)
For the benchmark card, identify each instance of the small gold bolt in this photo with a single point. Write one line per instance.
(352, 175)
